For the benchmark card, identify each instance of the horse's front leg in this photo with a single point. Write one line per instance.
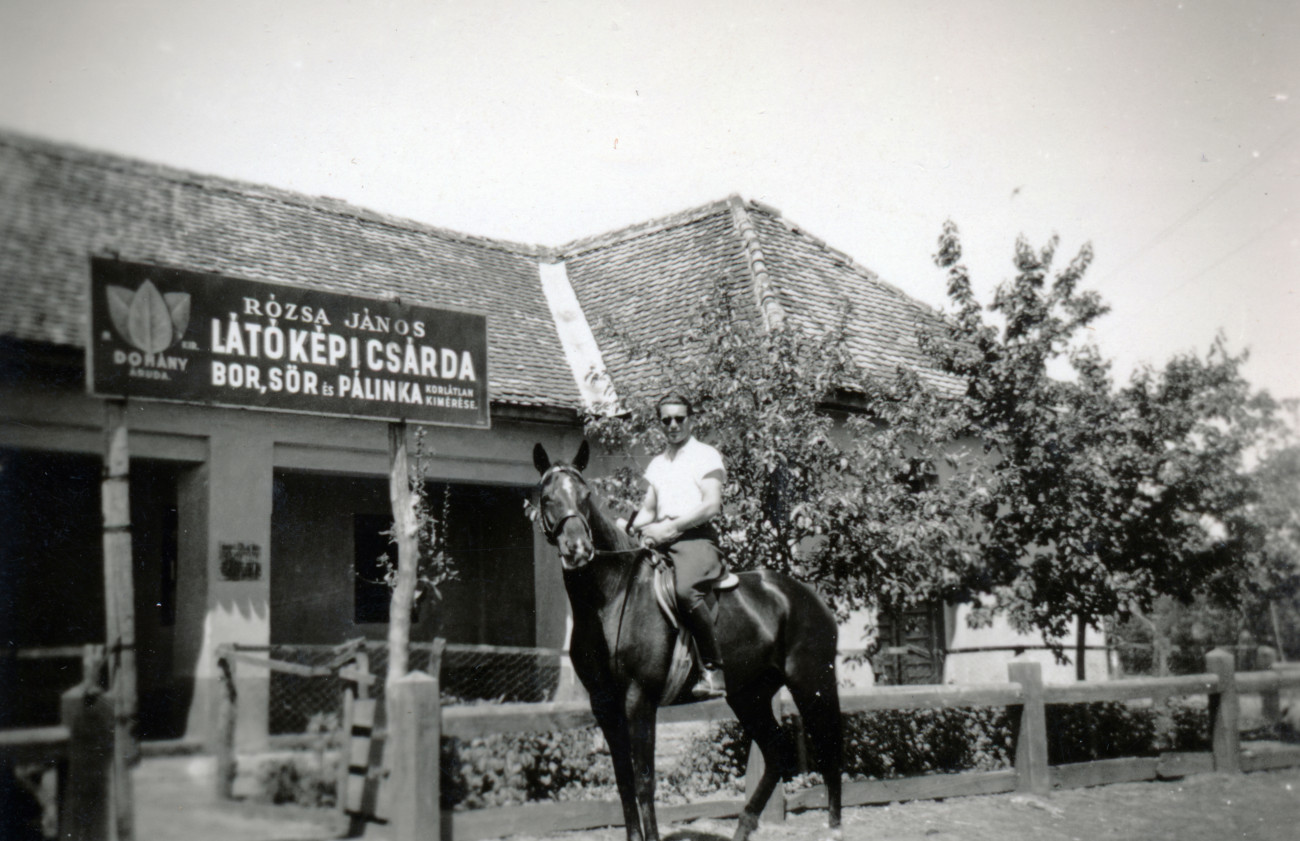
(641, 712)
(613, 723)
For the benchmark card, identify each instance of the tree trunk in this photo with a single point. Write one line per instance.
(1277, 631)
(119, 610)
(405, 531)
(1081, 649)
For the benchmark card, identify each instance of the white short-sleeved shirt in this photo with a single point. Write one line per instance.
(678, 480)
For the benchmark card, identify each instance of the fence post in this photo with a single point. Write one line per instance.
(354, 747)
(86, 801)
(1032, 770)
(1224, 712)
(415, 733)
(1270, 699)
(1162, 650)
(227, 713)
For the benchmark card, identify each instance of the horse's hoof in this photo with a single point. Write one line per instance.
(745, 828)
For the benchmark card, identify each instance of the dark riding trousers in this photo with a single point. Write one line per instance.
(698, 562)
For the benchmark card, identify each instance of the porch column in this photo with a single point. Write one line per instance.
(224, 585)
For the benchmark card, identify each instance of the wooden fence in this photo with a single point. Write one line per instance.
(82, 749)
(420, 723)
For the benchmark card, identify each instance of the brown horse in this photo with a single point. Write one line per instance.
(773, 631)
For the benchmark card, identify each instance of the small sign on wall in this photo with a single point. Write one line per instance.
(241, 562)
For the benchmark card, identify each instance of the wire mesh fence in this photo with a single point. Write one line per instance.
(309, 700)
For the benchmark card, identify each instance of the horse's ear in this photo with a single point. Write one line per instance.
(540, 459)
(584, 453)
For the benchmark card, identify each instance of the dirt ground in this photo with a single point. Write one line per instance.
(1263, 806)
(174, 802)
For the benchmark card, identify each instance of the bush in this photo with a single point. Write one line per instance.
(898, 743)
(712, 762)
(510, 769)
(507, 770)
(1109, 729)
(298, 781)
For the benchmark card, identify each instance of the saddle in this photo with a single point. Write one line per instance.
(685, 656)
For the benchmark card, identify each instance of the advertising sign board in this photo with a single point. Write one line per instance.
(169, 334)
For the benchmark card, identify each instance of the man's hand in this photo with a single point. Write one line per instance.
(659, 532)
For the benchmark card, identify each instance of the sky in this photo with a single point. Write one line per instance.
(1166, 134)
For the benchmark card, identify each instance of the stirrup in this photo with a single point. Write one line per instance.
(711, 684)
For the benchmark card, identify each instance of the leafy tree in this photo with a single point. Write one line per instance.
(829, 473)
(1103, 499)
(1271, 595)
(421, 563)
(1063, 499)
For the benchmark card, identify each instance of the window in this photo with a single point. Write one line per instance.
(910, 646)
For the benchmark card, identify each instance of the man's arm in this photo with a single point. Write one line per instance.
(710, 506)
(646, 514)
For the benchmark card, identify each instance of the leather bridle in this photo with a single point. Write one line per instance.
(550, 529)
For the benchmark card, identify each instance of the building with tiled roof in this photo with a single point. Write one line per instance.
(105, 205)
(648, 282)
(263, 528)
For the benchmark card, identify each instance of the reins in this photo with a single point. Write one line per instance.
(552, 536)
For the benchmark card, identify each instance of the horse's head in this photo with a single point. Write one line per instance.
(564, 506)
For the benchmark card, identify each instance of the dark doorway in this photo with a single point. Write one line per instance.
(52, 583)
(327, 579)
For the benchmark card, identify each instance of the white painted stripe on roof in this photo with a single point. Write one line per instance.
(579, 343)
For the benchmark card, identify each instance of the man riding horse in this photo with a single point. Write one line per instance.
(776, 632)
(676, 517)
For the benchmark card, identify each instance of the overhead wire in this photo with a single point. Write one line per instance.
(1211, 197)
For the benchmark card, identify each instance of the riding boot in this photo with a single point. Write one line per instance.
(711, 683)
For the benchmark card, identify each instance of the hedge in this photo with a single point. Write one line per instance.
(511, 769)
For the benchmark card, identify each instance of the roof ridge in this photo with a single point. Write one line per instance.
(639, 229)
(114, 162)
(765, 292)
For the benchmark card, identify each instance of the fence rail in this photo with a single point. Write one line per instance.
(1025, 693)
(410, 796)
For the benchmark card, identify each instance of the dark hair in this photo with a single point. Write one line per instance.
(675, 398)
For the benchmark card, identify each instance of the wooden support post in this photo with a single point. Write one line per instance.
(119, 609)
(92, 665)
(1162, 647)
(416, 730)
(354, 743)
(405, 534)
(227, 713)
(347, 702)
(1031, 729)
(774, 811)
(1225, 712)
(86, 799)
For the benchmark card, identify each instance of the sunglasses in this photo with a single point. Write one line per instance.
(674, 420)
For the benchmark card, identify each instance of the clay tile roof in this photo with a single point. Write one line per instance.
(645, 284)
(814, 283)
(60, 205)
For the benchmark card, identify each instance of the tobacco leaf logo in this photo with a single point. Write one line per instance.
(148, 319)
